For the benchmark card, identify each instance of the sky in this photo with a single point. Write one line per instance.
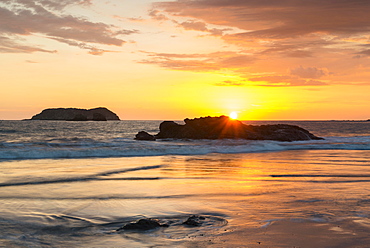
(176, 59)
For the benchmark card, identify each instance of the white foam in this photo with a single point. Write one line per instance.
(121, 147)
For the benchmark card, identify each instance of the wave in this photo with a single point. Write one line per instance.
(8, 131)
(65, 148)
(94, 177)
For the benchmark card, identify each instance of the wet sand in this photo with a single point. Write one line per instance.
(284, 199)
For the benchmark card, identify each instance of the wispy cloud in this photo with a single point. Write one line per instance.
(309, 72)
(229, 83)
(277, 36)
(201, 26)
(212, 62)
(47, 17)
(12, 45)
(278, 19)
(285, 81)
(157, 15)
(363, 53)
(289, 26)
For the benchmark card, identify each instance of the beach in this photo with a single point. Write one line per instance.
(313, 195)
(185, 124)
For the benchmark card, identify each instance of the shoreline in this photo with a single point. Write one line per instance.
(327, 205)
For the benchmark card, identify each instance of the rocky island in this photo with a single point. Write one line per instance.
(223, 127)
(75, 114)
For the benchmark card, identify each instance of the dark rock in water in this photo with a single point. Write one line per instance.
(142, 135)
(170, 129)
(74, 114)
(79, 117)
(225, 128)
(142, 225)
(99, 117)
(175, 224)
(194, 220)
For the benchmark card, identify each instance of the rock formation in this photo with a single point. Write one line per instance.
(143, 225)
(142, 135)
(194, 220)
(224, 128)
(74, 114)
(147, 224)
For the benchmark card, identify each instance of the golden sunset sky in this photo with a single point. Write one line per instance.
(147, 59)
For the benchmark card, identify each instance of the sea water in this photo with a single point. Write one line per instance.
(73, 184)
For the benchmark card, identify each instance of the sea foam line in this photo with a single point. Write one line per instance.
(131, 148)
(94, 177)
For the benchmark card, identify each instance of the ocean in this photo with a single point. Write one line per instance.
(73, 184)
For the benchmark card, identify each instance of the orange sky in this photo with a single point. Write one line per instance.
(146, 59)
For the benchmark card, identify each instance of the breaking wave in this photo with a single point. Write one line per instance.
(63, 148)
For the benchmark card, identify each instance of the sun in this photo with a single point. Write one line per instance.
(233, 115)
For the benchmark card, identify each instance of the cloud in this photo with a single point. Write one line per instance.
(309, 72)
(238, 64)
(215, 62)
(201, 26)
(194, 25)
(46, 17)
(190, 24)
(8, 45)
(229, 83)
(126, 32)
(293, 28)
(132, 19)
(285, 81)
(362, 54)
(235, 63)
(278, 35)
(295, 48)
(277, 19)
(156, 15)
(55, 4)
(92, 49)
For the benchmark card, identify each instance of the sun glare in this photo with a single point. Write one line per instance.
(233, 115)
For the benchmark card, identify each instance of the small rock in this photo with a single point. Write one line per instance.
(142, 135)
(194, 220)
(142, 225)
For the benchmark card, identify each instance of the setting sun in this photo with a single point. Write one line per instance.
(233, 115)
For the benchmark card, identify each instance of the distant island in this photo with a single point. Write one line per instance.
(223, 127)
(75, 114)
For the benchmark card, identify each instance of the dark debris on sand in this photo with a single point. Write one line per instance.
(149, 224)
(194, 220)
(143, 225)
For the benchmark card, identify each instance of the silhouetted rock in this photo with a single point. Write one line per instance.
(175, 223)
(142, 135)
(69, 114)
(99, 117)
(79, 117)
(224, 128)
(194, 220)
(142, 225)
